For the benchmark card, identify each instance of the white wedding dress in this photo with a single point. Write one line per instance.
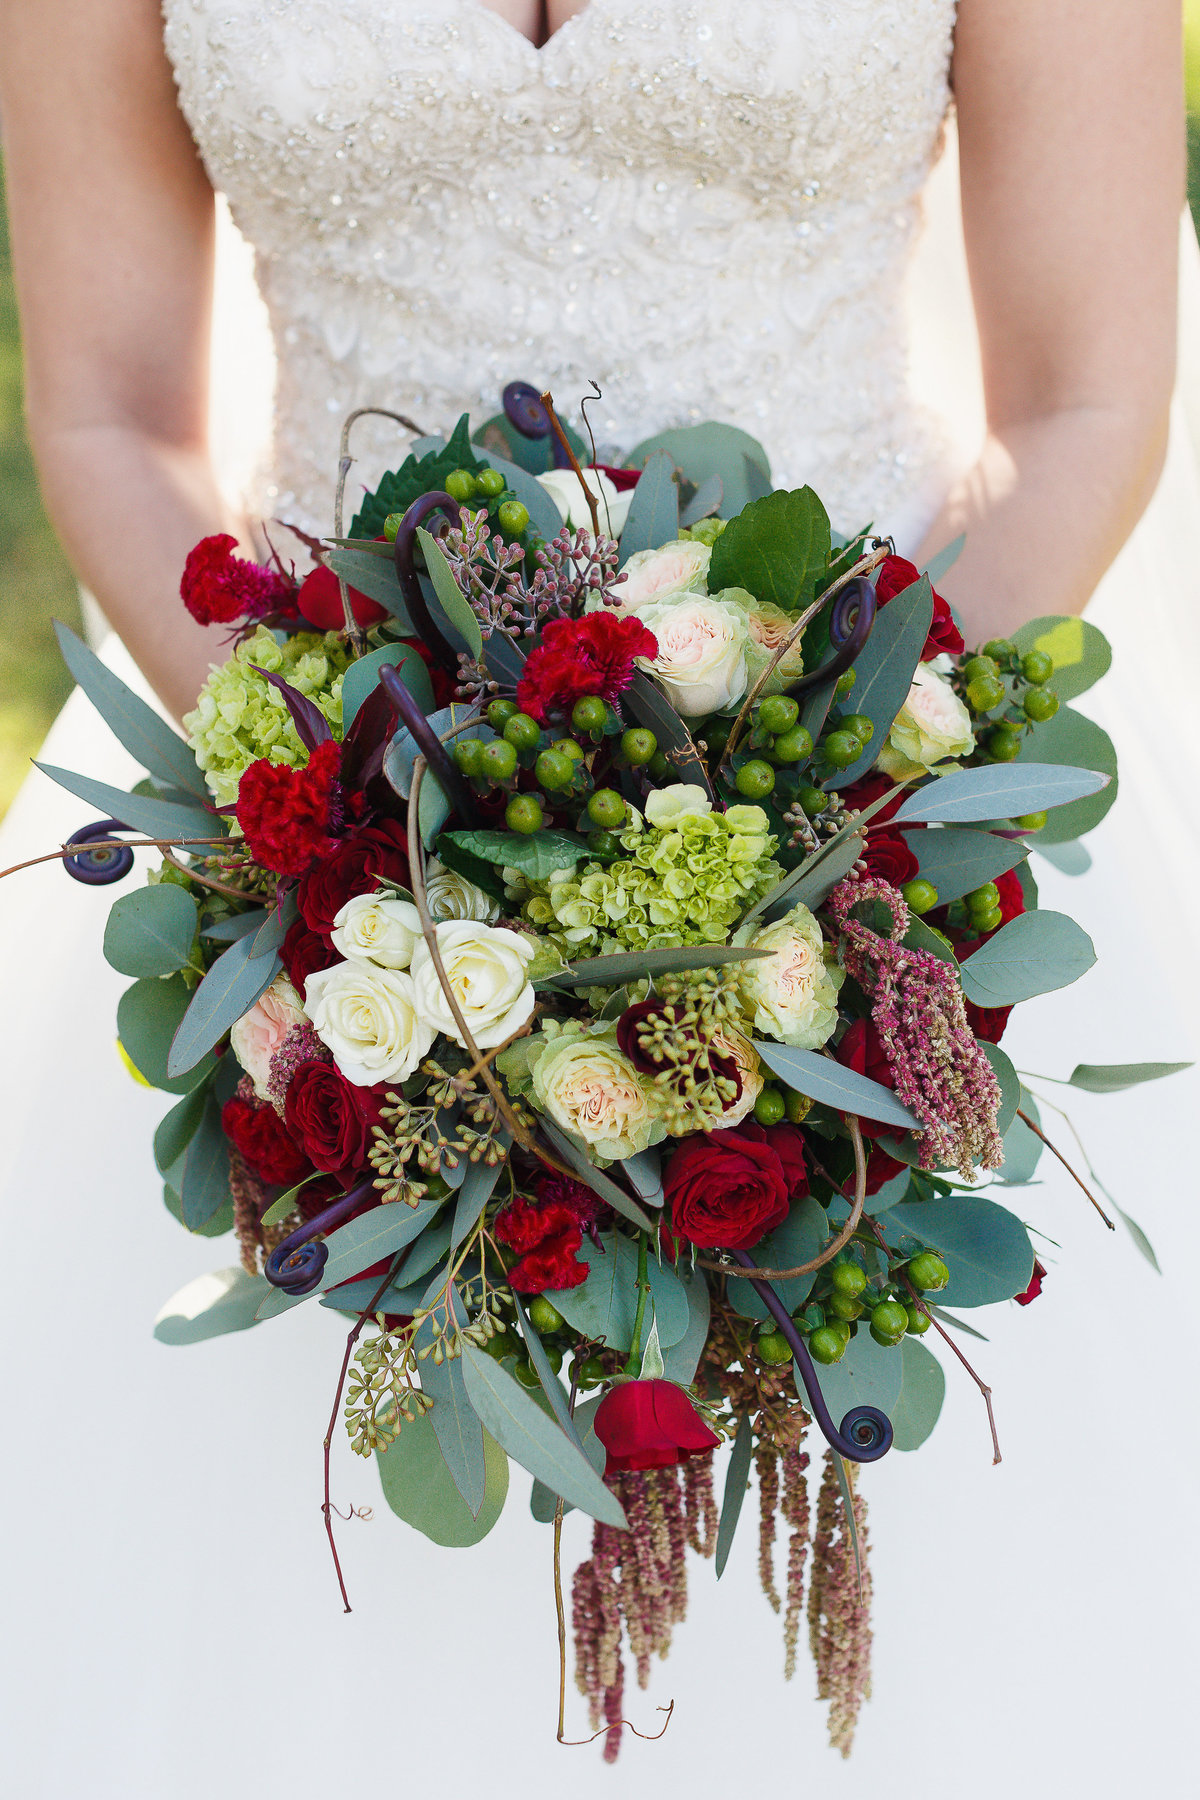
(712, 210)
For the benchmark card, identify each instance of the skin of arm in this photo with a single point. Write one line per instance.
(1071, 143)
(112, 225)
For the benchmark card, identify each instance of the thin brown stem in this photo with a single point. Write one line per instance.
(208, 881)
(1055, 1151)
(565, 442)
(114, 844)
(345, 463)
(831, 1249)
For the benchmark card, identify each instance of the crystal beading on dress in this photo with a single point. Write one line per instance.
(709, 209)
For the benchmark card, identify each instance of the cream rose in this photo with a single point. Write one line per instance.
(451, 896)
(566, 491)
(741, 1053)
(656, 575)
(792, 994)
(368, 1017)
(376, 928)
(592, 1090)
(701, 661)
(259, 1033)
(770, 627)
(931, 726)
(487, 968)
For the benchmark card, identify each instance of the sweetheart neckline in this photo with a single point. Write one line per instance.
(537, 51)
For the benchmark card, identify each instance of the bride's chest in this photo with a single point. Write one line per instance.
(357, 94)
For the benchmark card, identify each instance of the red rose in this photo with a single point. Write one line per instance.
(622, 479)
(650, 1425)
(726, 1189)
(286, 814)
(256, 1133)
(355, 867)
(581, 657)
(330, 1117)
(881, 1168)
(304, 952)
(861, 1049)
(320, 602)
(788, 1144)
(891, 578)
(888, 857)
(870, 788)
(1034, 1288)
(218, 587)
(546, 1239)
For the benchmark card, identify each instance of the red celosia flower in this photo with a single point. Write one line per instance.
(546, 1239)
(256, 1132)
(1034, 1288)
(895, 574)
(649, 1425)
(582, 657)
(219, 587)
(286, 814)
(581, 1201)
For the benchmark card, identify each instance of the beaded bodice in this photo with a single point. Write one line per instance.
(709, 209)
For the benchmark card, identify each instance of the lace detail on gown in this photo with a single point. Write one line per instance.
(709, 209)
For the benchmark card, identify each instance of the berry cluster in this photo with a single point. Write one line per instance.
(844, 1296)
(1007, 694)
(779, 743)
(483, 488)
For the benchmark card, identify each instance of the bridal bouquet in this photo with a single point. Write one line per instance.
(591, 903)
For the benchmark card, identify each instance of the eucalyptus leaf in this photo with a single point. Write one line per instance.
(737, 1482)
(539, 1444)
(177, 1129)
(543, 1501)
(1010, 1085)
(375, 1234)
(420, 1489)
(806, 879)
(999, 791)
(985, 1247)
(867, 1374)
(1071, 858)
(400, 760)
(455, 1423)
(958, 861)
(653, 517)
(229, 990)
(218, 1226)
(544, 516)
(279, 1209)
(1114, 1078)
(822, 1079)
(156, 818)
(1035, 953)
(148, 1016)
(595, 1178)
(1022, 1147)
(147, 737)
(776, 548)
(374, 576)
(536, 855)
(205, 1185)
(956, 1324)
(450, 596)
(704, 502)
(819, 878)
(798, 1240)
(238, 925)
(210, 1306)
(644, 1175)
(622, 966)
(362, 678)
(1073, 741)
(1141, 1241)
(681, 1360)
(551, 1386)
(713, 449)
(1080, 652)
(885, 667)
(150, 931)
(922, 1391)
(944, 561)
(605, 1305)
(477, 1188)
(647, 706)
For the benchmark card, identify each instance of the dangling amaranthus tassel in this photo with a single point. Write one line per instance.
(700, 1505)
(794, 1507)
(917, 1008)
(766, 1464)
(249, 1202)
(839, 1609)
(639, 1577)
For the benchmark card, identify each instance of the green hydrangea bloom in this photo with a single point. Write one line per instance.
(239, 717)
(685, 882)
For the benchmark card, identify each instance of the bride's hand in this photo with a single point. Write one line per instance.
(1071, 147)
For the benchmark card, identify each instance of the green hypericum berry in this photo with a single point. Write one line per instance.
(589, 714)
(607, 809)
(918, 1321)
(778, 713)
(554, 1356)
(716, 736)
(543, 1316)
(468, 754)
(812, 800)
(553, 770)
(1001, 650)
(589, 1372)
(774, 1348)
(513, 518)
(860, 725)
(841, 748)
(793, 746)
(845, 682)
(499, 712)
(983, 899)
(841, 1306)
(890, 1318)
(1004, 744)
(527, 1375)
(979, 666)
(844, 1329)
(985, 693)
(826, 1345)
(638, 746)
(848, 1279)
(928, 1272)
(524, 814)
(522, 731)
(987, 921)
(499, 760)
(391, 526)
(755, 779)
(658, 768)
(1037, 667)
(568, 747)
(798, 1106)
(491, 483)
(920, 896)
(604, 843)
(770, 1108)
(462, 486)
(502, 1344)
(1040, 705)
(1031, 821)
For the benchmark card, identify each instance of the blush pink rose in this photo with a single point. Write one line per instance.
(259, 1033)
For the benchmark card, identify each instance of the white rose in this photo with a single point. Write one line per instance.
(593, 1091)
(666, 806)
(566, 490)
(368, 1017)
(259, 1033)
(669, 573)
(792, 993)
(701, 661)
(376, 928)
(486, 966)
(933, 724)
(451, 896)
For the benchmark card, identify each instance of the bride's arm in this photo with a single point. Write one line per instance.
(1072, 158)
(112, 225)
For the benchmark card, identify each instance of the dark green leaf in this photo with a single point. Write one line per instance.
(653, 518)
(218, 1226)
(797, 1240)
(362, 678)
(737, 1481)
(137, 726)
(551, 1386)
(604, 1306)
(1081, 653)
(537, 855)
(150, 931)
(885, 667)
(1114, 1078)
(230, 989)
(958, 861)
(423, 472)
(205, 1184)
(1001, 790)
(376, 577)
(177, 1129)
(827, 1081)
(621, 966)
(985, 1247)
(922, 1390)
(711, 449)
(1034, 953)
(157, 818)
(209, 1306)
(484, 875)
(776, 548)
(601, 1184)
(148, 1016)
(420, 1489)
(648, 707)
(450, 596)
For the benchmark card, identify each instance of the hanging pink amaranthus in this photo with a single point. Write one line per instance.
(917, 1007)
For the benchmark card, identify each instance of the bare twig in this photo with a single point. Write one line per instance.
(1055, 1151)
(565, 442)
(345, 462)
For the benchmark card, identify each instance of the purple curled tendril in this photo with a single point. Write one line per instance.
(866, 1433)
(851, 618)
(410, 584)
(526, 412)
(297, 1264)
(97, 868)
(442, 765)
